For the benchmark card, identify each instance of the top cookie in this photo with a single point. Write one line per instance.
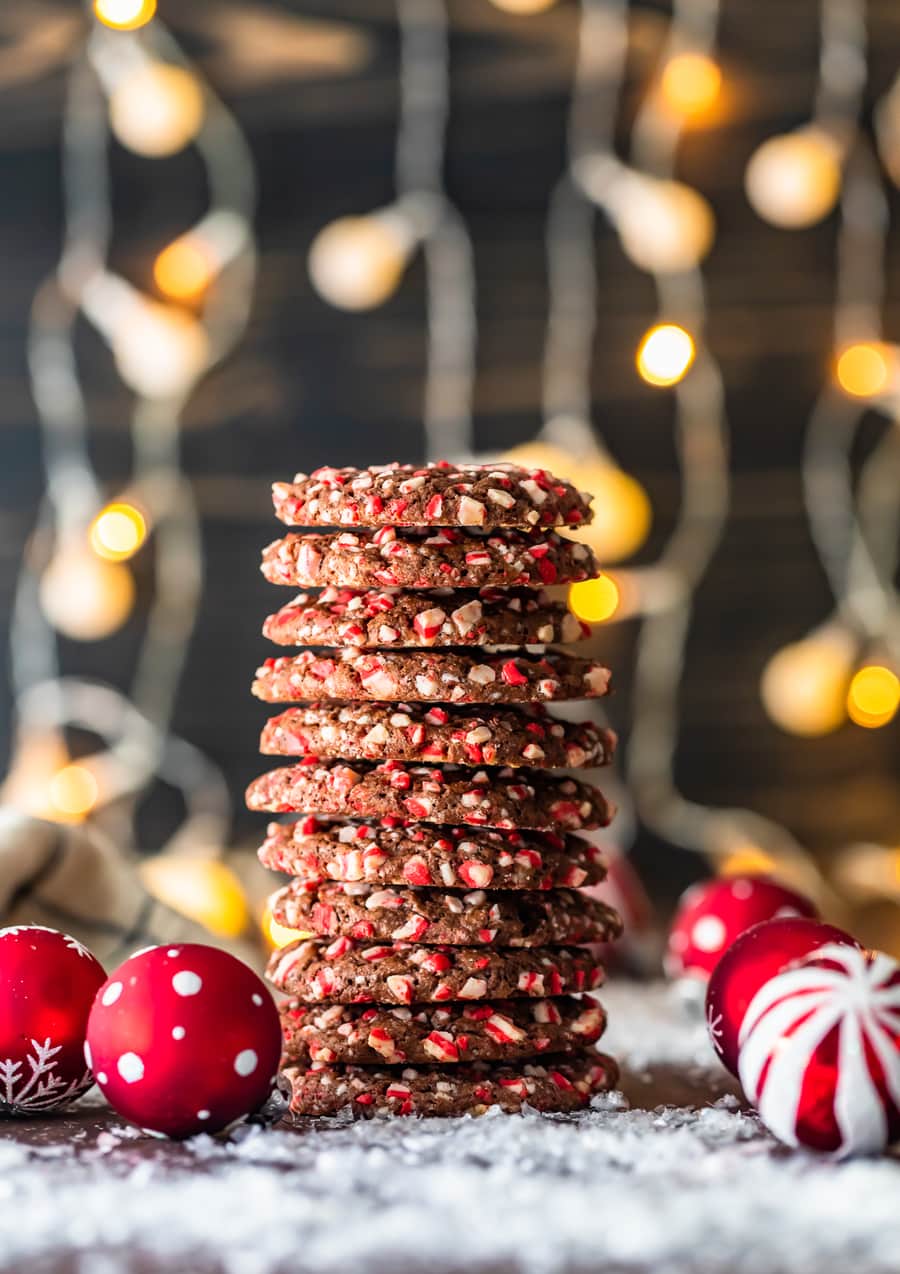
(441, 494)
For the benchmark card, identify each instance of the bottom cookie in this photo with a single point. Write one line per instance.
(461, 1090)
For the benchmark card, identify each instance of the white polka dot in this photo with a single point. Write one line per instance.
(111, 994)
(257, 999)
(87, 1055)
(186, 983)
(173, 952)
(246, 1062)
(130, 1067)
(102, 1077)
(742, 889)
(203, 1114)
(709, 934)
(178, 1032)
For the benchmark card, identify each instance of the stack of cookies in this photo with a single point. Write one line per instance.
(434, 858)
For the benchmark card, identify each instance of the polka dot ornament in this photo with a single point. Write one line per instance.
(184, 1039)
(711, 915)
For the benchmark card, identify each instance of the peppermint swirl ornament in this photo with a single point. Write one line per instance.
(820, 1051)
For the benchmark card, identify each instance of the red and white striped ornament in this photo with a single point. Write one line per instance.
(820, 1051)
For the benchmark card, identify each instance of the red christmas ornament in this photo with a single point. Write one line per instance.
(751, 960)
(712, 914)
(820, 1051)
(47, 985)
(184, 1039)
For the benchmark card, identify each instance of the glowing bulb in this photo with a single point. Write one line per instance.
(804, 685)
(594, 600)
(73, 792)
(523, 6)
(184, 269)
(117, 532)
(747, 860)
(203, 889)
(83, 597)
(356, 263)
(863, 370)
(36, 760)
(873, 696)
(664, 226)
(690, 83)
(794, 180)
(160, 351)
(156, 110)
(665, 354)
(124, 15)
(280, 935)
(622, 512)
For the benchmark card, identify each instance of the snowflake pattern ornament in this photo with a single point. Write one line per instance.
(48, 981)
(711, 915)
(751, 960)
(820, 1051)
(184, 1039)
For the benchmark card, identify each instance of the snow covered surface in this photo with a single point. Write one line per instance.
(673, 1189)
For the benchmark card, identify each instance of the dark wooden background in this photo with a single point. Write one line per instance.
(315, 87)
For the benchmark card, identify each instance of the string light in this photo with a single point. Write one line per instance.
(863, 369)
(665, 354)
(73, 793)
(523, 6)
(118, 531)
(183, 270)
(160, 351)
(156, 110)
(84, 597)
(279, 935)
(746, 860)
(124, 15)
(39, 755)
(691, 83)
(873, 696)
(204, 889)
(594, 600)
(804, 685)
(622, 512)
(664, 226)
(794, 180)
(356, 263)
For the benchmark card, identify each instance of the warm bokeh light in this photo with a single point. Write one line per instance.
(594, 600)
(279, 935)
(665, 354)
(863, 369)
(804, 685)
(794, 180)
(73, 792)
(690, 84)
(118, 531)
(622, 512)
(664, 226)
(204, 889)
(746, 860)
(160, 351)
(38, 756)
(185, 269)
(156, 110)
(124, 15)
(85, 597)
(873, 696)
(523, 6)
(356, 263)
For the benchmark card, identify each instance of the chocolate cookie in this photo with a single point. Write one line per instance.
(441, 494)
(429, 676)
(348, 972)
(439, 794)
(386, 558)
(445, 917)
(462, 1090)
(421, 854)
(502, 1031)
(414, 732)
(427, 617)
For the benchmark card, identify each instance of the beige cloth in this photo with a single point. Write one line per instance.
(74, 879)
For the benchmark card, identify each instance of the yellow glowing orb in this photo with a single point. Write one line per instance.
(873, 697)
(73, 792)
(746, 860)
(38, 757)
(622, 512)
(160, 351)
(594, 600)
(863, 369)
(84, 597)
(156, 110)
(523, 6)
(794, 180)
(356, 263)
(665, 354)
(204, 889)
(118, 531)
(804, 686)
(184, 270)
(691, 83)
(664, 226)
(279, 935)
(124, 15)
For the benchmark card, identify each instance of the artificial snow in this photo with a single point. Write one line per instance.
(673, 1190)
